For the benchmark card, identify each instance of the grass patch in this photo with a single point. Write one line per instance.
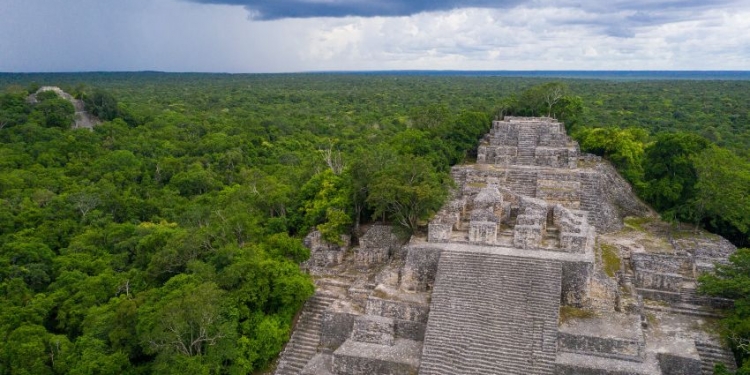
(476, 184)
(570, 312)
(637, 222)
(709, 325)
(379, 294)
(610, 259)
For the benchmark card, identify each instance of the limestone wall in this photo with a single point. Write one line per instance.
(420, 269)
(528, 141)
(323, 253)
(575, 282)
(377, 245)
(336, 327)
(599, 190)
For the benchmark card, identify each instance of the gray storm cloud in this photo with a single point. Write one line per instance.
(279, 9)
(271, 10)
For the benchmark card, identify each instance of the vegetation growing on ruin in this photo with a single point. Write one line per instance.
(569, 312)
(637, 223)
(733, 281)
(610, 259)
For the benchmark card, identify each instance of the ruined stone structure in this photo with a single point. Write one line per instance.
(83, 119)
(529, 269)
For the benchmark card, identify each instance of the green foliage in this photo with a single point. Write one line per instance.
(54, 112)
(610, 259)
(551, 99)
(733, 281)
(13, 109)
(623, 147)
(407, 191)
(671, 175)
(101, 104)
(721, 369)
(723, 187)
(183, 317)
(282, 245)
(325, 198)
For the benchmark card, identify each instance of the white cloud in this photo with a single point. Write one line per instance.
(540, 38)
(172, 35)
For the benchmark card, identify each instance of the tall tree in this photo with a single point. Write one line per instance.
(407, 191)
(671, 175)
(723, 186)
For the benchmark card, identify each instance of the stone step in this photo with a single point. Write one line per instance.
(572, 363)
(303, 344)
(492, 314)
(683, 309)
(712, 354)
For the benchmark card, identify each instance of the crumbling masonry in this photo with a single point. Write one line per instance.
(511, 278)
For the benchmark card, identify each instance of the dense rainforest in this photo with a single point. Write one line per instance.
(167, 239)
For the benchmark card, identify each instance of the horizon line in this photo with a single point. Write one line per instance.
(399, 71)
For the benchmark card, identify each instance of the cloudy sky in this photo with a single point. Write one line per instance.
(315, 35)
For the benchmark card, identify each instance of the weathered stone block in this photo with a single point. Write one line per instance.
(679, 364)
(397, 309)
(656, 280)
(659, 295)
(323, 253)
(483, 232)
(419, 271)
(407, 329)
(439, 232)
(336, 327)
(374, 330)
(367, 256)
(527, 236)
(320, 364)
(357, 358)
(574, 242)
(576, 278)
(611, 347)
(660, 263)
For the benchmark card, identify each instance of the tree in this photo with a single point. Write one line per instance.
(183, 318)
(282, 245)
(361, 174)
(541, 98)
(31, 350)
(27, 258)
(551, 94)
(430, 117)
(101, 104)
(623, 147)
(723, 186)
(569, 109)
(324, 198)
(55, 112)
(407, 191)
(13, 109)
(670, 174)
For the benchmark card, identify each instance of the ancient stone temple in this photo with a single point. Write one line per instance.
(528, 269)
